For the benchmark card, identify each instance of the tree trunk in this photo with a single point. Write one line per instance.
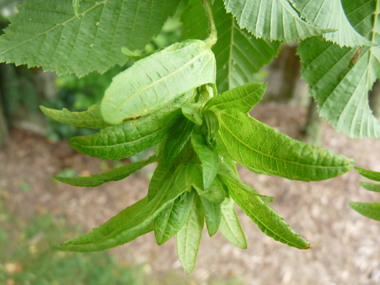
(312, 130)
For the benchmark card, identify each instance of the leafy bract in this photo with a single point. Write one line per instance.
(155, 81)
(238, 54)
(259, 147)
(49, 34)
(122, 231)
(329, 14)
(91, 119)
(272, 19)
(375, 187)
(112, 175)
(213, 215)
(266, 219)
(373, 175)
(230, 225)
(131, 136)
(189, 237)
(370, 210)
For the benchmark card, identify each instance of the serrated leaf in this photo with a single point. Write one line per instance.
(375, 187)
(131, 136)
(230, 225)
(272, 19)
(189, 237)
(215, 193)
(208, 158)
(329, 14)
(373, 175)
(155, 81)
(238, 54)
(242, 98)
(213, 215)
(369, 210)
(192, 112)
(178, 136)
(49, 34)
(112, 175)
(258, 146)
(126, 230)
(90, 119)
(172, 219)
(268, 221)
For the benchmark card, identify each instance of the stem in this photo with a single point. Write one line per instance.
(375, 19)
(212, 33)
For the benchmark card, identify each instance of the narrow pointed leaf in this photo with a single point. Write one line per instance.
(369, 210)
(258, 146)
(375, 187)
(239, 55)
(266, 219)
(112, 175)
(155, 81)
(272, 19)
(189, 237)
(172, 219)
(230, 225)
(49, 34)
(192, 113)
(373, 175)
(215, 193)
(213, 216)
(90, 119)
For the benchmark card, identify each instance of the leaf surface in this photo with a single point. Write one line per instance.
(375, 187)
(213, 215)
(373, 175)
(369, 210)
(215, 193)
(192, 113)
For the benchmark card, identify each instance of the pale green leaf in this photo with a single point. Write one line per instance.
(155, 81)
(373, 175)
(238, 54)
(375, 187)
(189, 237)
(272, 19)
(192, 112)
(369, 210)
(90, 119)
(49, 34)
(259, 147)
(112, 175)
(213, 215)
(76, 6)
(215, 193)
(230, 225)
(134, 55)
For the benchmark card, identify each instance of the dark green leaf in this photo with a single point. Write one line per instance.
(370, 210)
(375, 187)
(373, 175)
(213, 216)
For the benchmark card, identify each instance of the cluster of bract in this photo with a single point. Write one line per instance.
(168, 100)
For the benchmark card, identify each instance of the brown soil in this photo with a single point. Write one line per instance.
(346, 246)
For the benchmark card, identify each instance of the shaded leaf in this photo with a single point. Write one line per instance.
(215, 193)
(375, 187)
(373, 175)
(369, 210)
(213, 215)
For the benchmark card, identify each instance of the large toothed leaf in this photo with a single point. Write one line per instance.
(132, 136)
(375, 187)
(370, 210)
(373, 175)
(189, 237)
(238, 54)
(90, 119)
(266, 219)
(155, 81)
(272, 19)
(49, 34)
(123, 231)
(112, 175)
(242, 98)
(259, 147)
(230, 225)
(172, 219)
(213, 215)
(329, 14)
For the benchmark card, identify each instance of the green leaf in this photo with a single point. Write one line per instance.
(375, 187)
(272, 19)
(230, 225)
(90, 119)
(215, 193)
(178, 136)
(49, 34)
(213, 216)
(370, 210)
(189, 237)
(133, 55)
(132, 136)
(242, 98)
(266, 219)
(330, 15)
(238, 54)
(259, 147)
(373, 175)
(113, 175)
(123, 231)
(208, 158)
(172, 219)
(192, 113)
(155, 81)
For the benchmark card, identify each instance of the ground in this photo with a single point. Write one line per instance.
(346, 246)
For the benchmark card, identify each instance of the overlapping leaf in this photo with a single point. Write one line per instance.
(238, 54)
(370, 210)
(49, 34)
(213, 215)
(370, 174)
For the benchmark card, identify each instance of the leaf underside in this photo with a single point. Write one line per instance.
(369, 210)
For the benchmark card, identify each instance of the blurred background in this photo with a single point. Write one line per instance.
(37, 212)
